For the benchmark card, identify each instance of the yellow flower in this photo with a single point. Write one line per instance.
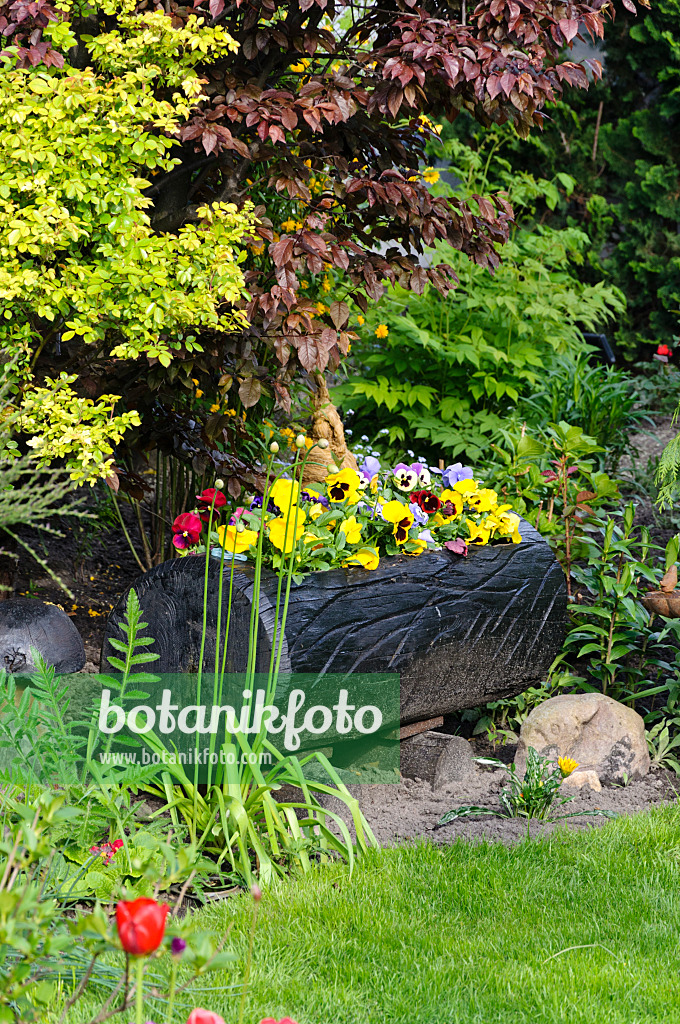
(479, 532)
(234, 541)
(308, 163)
(288, 225)
(402, 517)
(320, 307)
(510, 527)
(285, 494)
(300, 66)
(215, 407)
(567, 765)
(304, 284)
(366, 557)
(343, 486)
(199, 393)
(258, 249)
(430, 175)
(381, 331)
(483, 500)
(352, 530)
(415, 547)
(361, 320)
(194, 381)
(456, 500)
(326, 285)
(230, 412)
(286, 539)
(466, 486)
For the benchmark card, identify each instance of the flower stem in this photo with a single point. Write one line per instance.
(249, 961)
(171, 991)
(139, 991)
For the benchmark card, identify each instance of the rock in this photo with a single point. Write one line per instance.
(598, 732)
(26, 623)
(582, 780)
(437, 758)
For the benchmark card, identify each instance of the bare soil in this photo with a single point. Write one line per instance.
(410, 809)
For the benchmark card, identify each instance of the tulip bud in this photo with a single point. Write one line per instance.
(300, 441)
(219, 485)
(256, 892)
(323, 443)
(274, 447)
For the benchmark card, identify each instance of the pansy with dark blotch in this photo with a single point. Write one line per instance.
(427, 501)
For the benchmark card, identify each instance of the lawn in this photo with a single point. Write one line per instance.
(472, 934)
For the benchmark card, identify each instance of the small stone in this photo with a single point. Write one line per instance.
(582, 780)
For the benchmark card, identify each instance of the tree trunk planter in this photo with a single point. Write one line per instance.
(459, 631)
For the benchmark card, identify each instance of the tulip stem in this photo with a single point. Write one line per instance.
(171, 992)
(249, 961)
(139, 991)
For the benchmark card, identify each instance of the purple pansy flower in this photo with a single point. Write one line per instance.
(419, 517)
(272, 507)
(369, 467)
(316, 499)
(177, 946)
(452, 474)
(426, 535)
(422, 472)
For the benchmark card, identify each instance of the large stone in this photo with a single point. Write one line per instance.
(599, 733)
(25, 624)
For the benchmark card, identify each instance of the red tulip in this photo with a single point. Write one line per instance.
(187, 529)
(199, 1016)
(141, 925)
(270, 1020)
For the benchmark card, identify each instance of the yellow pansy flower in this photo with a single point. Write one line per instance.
(286, 539)
(479, 532)
(483, 500)
(456, 500)
(466, 486)
(285, 494)
(343, 486)
(352, 530)
(236, 542)
(366, 557)
(402, 517)
(420, 546)
(510, 521)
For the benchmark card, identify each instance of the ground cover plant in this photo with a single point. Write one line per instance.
(572, 927)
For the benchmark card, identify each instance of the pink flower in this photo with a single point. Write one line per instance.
(284, 1020)
(187, 529)
(199, 1016)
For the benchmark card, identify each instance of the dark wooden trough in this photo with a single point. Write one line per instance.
(459, 631)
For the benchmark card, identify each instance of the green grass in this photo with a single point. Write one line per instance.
(464, 935)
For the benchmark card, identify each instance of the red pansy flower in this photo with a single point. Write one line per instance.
(427, 501)
(187, 529)
(208, 498)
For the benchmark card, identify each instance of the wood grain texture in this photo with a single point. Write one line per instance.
(26, 623)
(459, 631)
